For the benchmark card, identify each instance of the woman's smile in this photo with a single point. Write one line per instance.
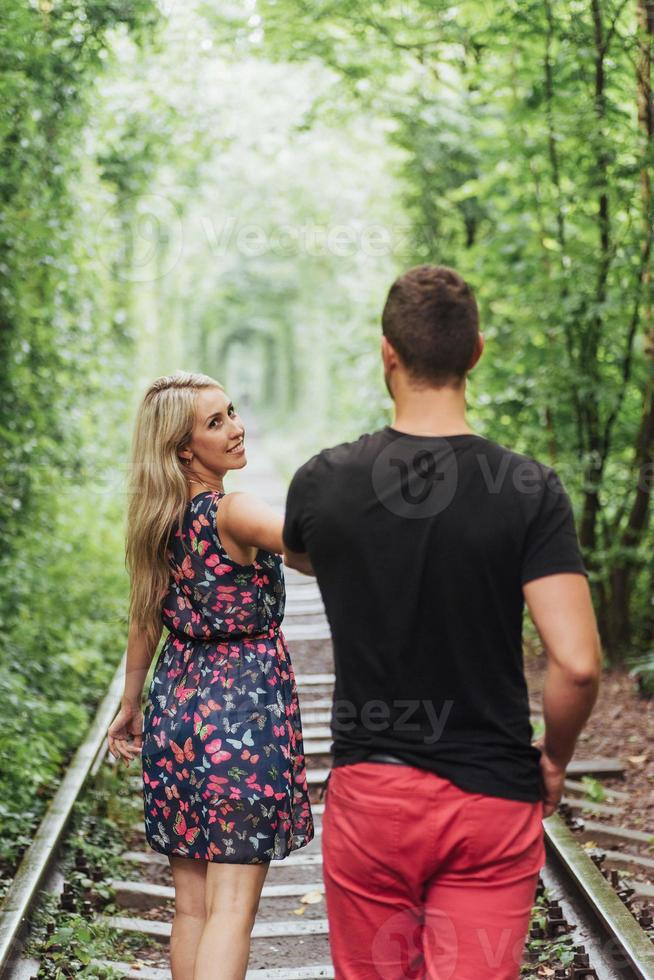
(237, 449)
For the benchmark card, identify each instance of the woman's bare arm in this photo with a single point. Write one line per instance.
(300, 561)
(251, 522)
(125, 733)
(139, 657)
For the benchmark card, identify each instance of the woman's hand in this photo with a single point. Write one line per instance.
(127, 723)
(552, 778)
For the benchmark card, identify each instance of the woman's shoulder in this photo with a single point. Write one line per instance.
(252, 522)
(198, 516)
(243, 505)
(203, 502)
(202, 497)
(237, 514)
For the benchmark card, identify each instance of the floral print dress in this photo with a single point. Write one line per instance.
(224, 775)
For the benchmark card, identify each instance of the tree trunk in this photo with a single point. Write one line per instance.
(636, 525)
(591, 336)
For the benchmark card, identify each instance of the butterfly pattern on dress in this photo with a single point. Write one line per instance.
(224, 776)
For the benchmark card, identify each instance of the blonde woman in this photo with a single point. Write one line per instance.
(224, 779)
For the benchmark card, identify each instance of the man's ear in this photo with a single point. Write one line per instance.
(478, 352)
(386, 351)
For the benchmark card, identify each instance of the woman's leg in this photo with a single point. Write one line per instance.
(189, 878)
(232, 899)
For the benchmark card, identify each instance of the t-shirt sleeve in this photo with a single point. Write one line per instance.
(551, 543)
(295, 513)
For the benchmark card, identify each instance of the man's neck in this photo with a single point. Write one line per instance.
(431, 427)
(429, 411)
(425, 419)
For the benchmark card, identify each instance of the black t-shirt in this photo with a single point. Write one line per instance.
(421, 546)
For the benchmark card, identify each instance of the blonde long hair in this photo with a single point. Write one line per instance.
(158, 491)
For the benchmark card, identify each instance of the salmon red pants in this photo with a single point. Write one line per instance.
(424, 879)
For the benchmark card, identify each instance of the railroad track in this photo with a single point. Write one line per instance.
(583, 894)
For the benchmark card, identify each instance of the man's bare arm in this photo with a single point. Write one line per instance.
(562, 611)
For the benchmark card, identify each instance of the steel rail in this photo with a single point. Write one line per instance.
(41, 854)
(598, 899)
(597, 904)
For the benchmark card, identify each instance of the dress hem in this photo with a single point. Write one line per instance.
(221, 859)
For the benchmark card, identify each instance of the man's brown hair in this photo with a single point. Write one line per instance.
(432, 321)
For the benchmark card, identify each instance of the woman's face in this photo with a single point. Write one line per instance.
(217, 439)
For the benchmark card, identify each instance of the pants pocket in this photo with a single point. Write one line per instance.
(505, 834)
(355, 856)
(357, 787)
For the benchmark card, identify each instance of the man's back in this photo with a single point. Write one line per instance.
(421, 546)
(426, 549)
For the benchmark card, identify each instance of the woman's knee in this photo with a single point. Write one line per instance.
(237, 920)
(234, 891)
(191, 905)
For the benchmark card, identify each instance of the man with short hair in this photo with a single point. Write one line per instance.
(426, 539)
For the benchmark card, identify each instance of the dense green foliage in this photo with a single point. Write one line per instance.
(232, 188)
(529, 137)
(58, 622)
